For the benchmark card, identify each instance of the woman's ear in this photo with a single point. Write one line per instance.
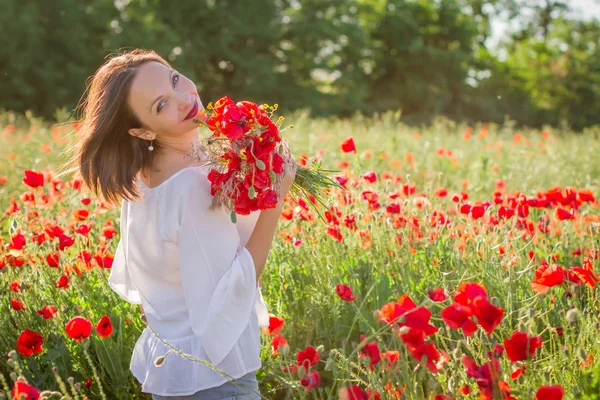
(141, 133)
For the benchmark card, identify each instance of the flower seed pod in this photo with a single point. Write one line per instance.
(573, 316)
(159, 361)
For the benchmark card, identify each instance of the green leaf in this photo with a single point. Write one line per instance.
(251, 192)
(272, 176)
(260, 165)
(233, 217)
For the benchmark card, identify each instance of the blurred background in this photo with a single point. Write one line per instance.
(536, 62)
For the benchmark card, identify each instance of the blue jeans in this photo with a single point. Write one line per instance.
(244, 388)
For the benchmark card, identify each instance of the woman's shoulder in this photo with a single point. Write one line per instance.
(191, 183)
(181, 180)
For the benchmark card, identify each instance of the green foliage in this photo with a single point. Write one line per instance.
(426, 58)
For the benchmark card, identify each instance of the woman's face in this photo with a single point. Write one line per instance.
(162, 98)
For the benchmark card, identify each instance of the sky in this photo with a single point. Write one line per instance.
(585, 9)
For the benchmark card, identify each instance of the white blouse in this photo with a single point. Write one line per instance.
(189, 268)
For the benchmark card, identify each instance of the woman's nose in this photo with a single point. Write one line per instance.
(184, 100)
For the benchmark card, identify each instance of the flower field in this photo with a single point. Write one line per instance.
(459, 263)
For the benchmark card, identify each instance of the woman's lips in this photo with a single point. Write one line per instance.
(193, 111)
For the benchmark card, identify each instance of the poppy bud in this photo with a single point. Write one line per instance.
(159, 361)
(573, 316)
(55, 370)
(427, 303)
(404, 330)
(320, 348)
(77, 385)
(329, 364)
(457, 354)
(13, 354)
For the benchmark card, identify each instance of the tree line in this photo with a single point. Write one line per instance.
(336, 57)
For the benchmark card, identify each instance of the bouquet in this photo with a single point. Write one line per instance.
(247, 155)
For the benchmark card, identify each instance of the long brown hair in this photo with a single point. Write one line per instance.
(106, 156)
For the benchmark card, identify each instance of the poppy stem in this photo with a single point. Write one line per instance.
(95, 372)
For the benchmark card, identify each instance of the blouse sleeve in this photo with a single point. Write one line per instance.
(119, 279)
(217, 273)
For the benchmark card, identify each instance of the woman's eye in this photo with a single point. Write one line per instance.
(174, 83)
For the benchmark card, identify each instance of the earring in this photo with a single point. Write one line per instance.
(151, 147)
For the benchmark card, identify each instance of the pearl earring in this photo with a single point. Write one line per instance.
(151, 147)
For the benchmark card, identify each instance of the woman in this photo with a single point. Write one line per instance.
(194, 272)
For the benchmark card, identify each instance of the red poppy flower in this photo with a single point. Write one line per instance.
(393, 208)
(563, 214)
(437, 294)
(352, 393)
(585, 275)
(517, 373)
(457, 316)
(53, 260)
(104, 328)
(370, 176)
(23, 391)
(17, 242)
(276, 343)
(427, 350)
(550, 392)
(406, 313)
(65, 241)
(391, 355)
(547, 276)
(83, 229)
(275, 325)
(371, 350)
(29, 343)
(488, 315)
(17, 304)
(104, 261)
(81, 214)
(485, 375)
(63, 282)
(344, 292)
(307, 357)
(468, 292)
(33, 179)
(311, 380)
(47, 312)
(15, 286)
(520, 346)
(78, 328)
(441, 192)
(335, 234)
(109, 231)
(348, 146)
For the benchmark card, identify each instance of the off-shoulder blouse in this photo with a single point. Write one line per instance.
(189, 268)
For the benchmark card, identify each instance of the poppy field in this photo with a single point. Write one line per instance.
(459, 262)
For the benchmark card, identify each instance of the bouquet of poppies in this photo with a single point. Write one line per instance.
(247, 155)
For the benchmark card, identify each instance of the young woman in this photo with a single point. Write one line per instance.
(192, 270)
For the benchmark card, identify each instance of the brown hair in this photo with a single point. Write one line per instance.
(106, 156)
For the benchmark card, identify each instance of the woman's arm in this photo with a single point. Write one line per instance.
(259, 243)
(261, 239)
